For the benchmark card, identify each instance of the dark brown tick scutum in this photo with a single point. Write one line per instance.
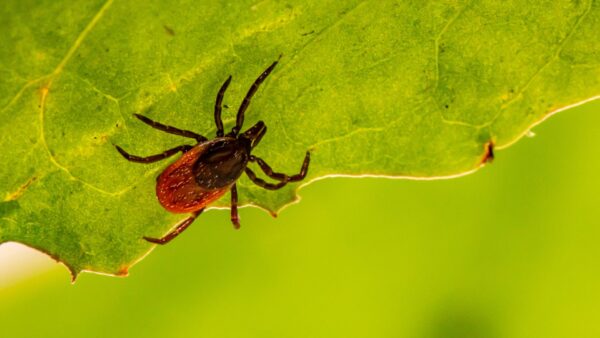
(211, 168)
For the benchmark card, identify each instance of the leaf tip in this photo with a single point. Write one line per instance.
(74, 274)
(123, 271)
(488, 155)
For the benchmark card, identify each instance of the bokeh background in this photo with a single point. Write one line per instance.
(509, 251)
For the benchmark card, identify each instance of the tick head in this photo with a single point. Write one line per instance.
(255, 133)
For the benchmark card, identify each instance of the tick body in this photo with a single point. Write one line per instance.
(208, 170)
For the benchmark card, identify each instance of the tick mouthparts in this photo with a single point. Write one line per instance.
(256, 132)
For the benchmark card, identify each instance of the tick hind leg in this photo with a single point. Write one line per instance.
(240, 115)
(153, 158)
(235, 218)
(169, 129)
(179, 229)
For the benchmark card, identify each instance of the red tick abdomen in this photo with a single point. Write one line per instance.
(176, 187)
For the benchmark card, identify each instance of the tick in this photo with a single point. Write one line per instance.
(208, 170)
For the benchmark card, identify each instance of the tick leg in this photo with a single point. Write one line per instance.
(218, 107)
(279, 176)
(235, 218)
(153, 158)
(240, 115)
(169, 129)
(179, 229)
(261, 183)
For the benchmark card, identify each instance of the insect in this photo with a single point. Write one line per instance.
(207, 170)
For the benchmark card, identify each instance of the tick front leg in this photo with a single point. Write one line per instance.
(279, 176)
(169, 129)
(219, 107)
(246, 102)
(153, 158)
(179, 229)
(235, 218)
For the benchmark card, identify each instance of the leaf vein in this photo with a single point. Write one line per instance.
(552, 59)
(82, 37)
(437, 42)
(45, 90)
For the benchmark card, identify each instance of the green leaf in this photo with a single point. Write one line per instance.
(389, 88)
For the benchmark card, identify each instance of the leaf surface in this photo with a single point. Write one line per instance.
(389, 88)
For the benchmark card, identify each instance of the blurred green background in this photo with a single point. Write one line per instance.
(509, 251)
